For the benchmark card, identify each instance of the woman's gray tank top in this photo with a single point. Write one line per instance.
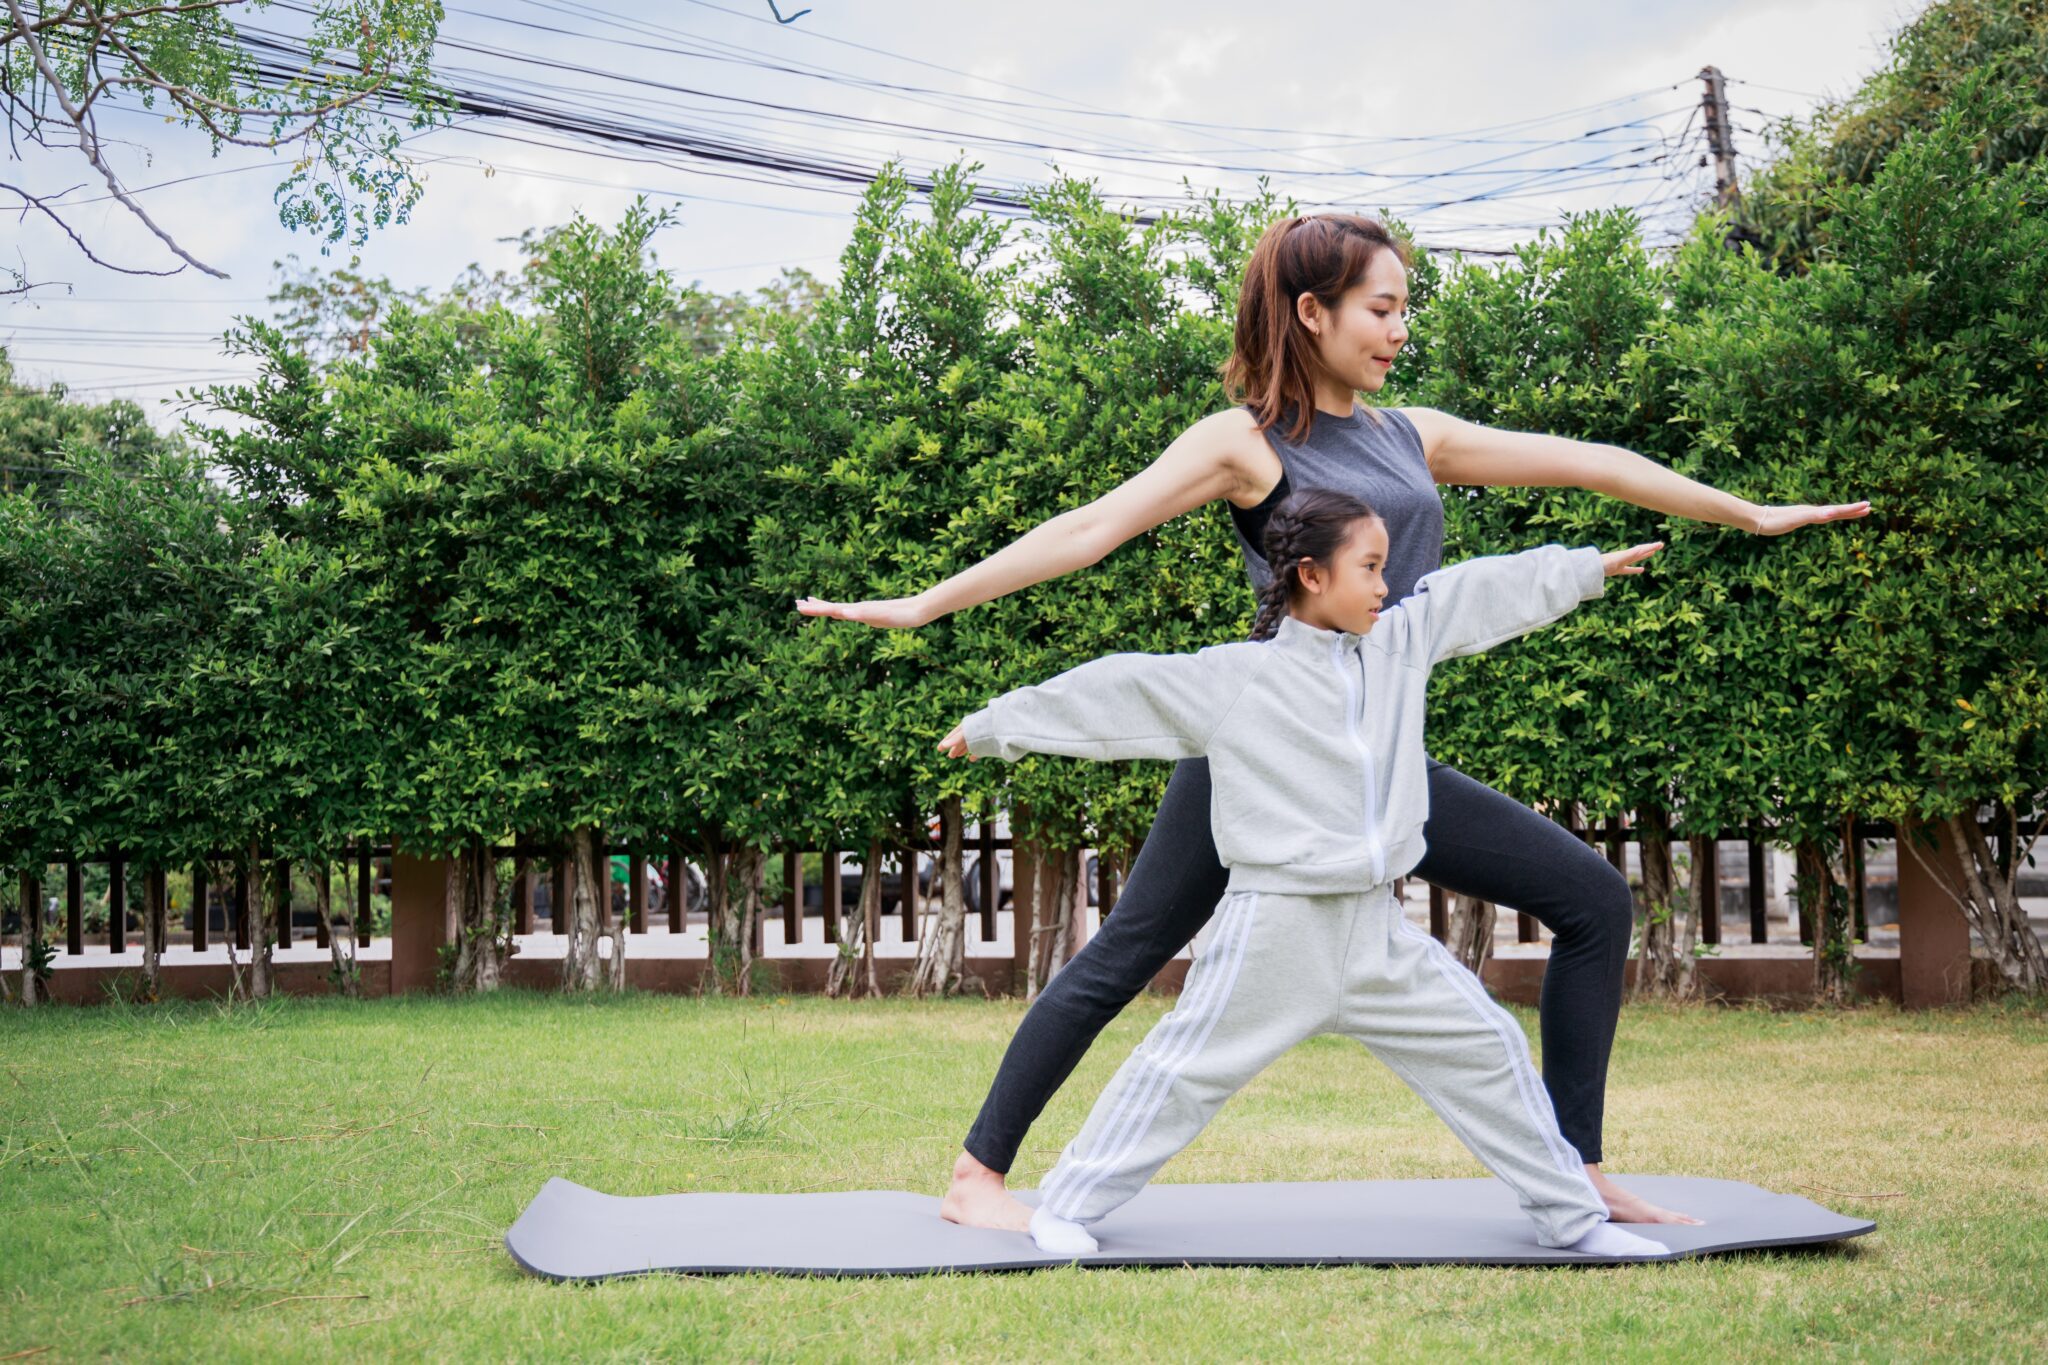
(1380, 461)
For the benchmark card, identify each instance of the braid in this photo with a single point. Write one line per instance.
(1272, 606)
(1310, 525)
(1282, 531)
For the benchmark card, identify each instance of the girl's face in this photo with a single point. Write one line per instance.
(1348, 594)
(1358, 339)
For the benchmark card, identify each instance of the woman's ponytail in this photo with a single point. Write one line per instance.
(1273, 365)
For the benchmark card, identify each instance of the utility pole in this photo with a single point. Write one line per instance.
(1721, 146)
(1720, 141)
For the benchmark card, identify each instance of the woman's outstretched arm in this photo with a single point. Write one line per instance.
(1200, 466)
(1461, 452)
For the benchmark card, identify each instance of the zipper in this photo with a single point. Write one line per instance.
(1354, 713)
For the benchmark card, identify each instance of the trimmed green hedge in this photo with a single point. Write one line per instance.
(529, 573)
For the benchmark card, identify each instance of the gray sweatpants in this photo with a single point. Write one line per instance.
(1283, 968)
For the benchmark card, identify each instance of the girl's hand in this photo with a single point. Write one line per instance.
(895, 613)
(954, 745)
(1618, 561)
(1776, 521)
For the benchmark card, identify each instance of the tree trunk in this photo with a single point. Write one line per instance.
(853, 970)
(260, 920)
(27, 962)
(344, 973)
(31, 938)
(584, 966)
(1469, 935)
(753, 906)
(737, 908)
(1703, 889)
(1826, 902)
(483, 938)
(717, 892)
(455, 897)
(1988, 894)
(608, 927)
(1665, 969)
(1054, 889)
(155, 933)
(223, 875)
(1681, 968)
(942, 954)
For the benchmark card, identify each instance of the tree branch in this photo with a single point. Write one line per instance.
(31, 201)
(188, 100)
(191, 101)
(124, 16)
(2024, 850)
(88, 144)
(62, 18)
(1937, 874)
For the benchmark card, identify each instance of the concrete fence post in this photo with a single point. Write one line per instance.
(420, 920)
(1934, 938)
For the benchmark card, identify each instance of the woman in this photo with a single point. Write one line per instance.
(1320, 320)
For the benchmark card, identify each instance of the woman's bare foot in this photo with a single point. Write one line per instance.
(977, 1198)
(1623, 1207)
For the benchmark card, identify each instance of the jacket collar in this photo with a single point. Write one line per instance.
(1297, 636)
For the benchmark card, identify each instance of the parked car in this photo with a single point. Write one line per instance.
(850, 869)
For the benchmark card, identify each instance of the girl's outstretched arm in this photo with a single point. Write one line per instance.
(1461, 452)
(1474, 605)
(1117, 706)
(1200, 466)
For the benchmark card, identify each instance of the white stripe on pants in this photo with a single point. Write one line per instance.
(1284, 968)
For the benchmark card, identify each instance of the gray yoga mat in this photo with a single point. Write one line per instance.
(573, 1233)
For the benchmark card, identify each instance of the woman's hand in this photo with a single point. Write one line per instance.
(1776, 521)
(896, 613)
(954, 745)
(1619, 561)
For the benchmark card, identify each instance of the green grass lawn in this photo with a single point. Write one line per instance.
(325, 1178)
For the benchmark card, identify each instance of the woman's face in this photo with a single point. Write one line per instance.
(1349, 593)
(1358, 339)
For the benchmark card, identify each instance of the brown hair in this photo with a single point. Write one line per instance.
(1312, 525)
(1273, 361)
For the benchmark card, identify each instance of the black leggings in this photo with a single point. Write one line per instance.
(1480, 843)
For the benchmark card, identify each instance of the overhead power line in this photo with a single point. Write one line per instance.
(755, 159)
(475, 98)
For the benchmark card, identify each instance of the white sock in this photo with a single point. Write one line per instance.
(1057, 1236)
(1608, 1240)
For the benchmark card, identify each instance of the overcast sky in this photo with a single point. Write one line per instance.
(1336, 109)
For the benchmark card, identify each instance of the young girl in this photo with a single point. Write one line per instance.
(1310, 938)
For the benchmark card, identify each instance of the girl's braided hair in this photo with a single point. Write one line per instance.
(1310, 525)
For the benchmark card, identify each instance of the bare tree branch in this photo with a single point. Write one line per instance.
(22, 283)
(30, 201)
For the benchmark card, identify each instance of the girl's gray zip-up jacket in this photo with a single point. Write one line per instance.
(1314, 737)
